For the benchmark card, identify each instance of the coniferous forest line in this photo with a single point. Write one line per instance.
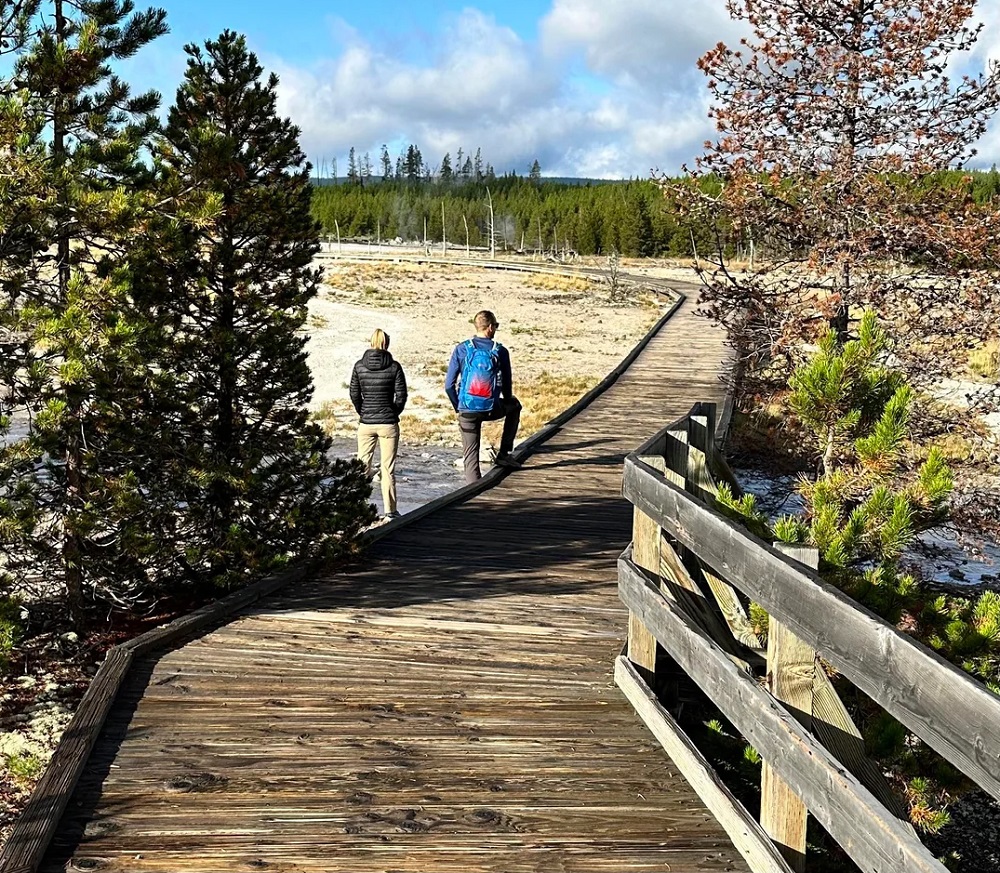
(635, 217)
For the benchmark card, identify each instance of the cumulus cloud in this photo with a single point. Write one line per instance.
(607, 90)
(648, 42)
(483, 85)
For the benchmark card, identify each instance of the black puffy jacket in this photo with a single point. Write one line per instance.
(378, 388)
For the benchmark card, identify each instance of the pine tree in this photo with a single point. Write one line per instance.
(833, 119)
(83, 514)
(445, 173)
(261, 488)
(353, 176)
(535, 172)
(386, 164)
(411, 164)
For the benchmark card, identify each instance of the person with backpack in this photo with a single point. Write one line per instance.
(378, 392)
(480, 388)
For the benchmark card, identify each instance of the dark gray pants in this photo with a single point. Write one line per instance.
(471, 425)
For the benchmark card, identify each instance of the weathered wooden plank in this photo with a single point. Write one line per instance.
(853, 816)
(748, 837)
(952, 712)
(791, 677)
(646, 542)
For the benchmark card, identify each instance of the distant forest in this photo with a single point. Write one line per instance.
(407, 199)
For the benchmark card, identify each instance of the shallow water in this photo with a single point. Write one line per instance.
(423, 473)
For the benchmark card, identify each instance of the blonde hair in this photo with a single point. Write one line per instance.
(380, 339)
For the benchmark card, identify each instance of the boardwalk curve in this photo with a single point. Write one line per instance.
(449, 706)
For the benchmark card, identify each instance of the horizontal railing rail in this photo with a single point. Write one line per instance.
(686, 579)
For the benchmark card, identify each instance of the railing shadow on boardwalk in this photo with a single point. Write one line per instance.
(485, 538)
(83, 819)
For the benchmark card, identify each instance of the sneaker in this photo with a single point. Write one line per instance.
(507, 461)
(389, 516)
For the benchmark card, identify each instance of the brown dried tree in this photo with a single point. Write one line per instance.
(837, 121)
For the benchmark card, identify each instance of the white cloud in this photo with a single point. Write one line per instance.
(648, 42)
(484, 86)
(610, 89)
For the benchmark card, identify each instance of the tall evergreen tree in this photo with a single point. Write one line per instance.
(353, 175)
(445, 173)
(386, 164)
(262, 488)
(79, 372)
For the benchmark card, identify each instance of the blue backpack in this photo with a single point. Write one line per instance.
(479, 388)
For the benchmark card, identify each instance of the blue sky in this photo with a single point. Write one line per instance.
(603, 88)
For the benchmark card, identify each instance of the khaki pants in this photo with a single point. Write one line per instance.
(387, 437)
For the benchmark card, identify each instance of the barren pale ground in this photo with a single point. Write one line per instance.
(563, 334)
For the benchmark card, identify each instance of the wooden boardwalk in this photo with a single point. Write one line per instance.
(448, 707)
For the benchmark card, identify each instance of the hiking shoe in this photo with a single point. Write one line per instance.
(508, 462)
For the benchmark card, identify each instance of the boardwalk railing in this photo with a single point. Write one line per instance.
(686, 579)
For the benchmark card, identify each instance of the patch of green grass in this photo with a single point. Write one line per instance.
(24, 767)
(10, 629)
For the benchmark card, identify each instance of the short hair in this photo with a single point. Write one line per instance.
(484, 319)
(380, 339)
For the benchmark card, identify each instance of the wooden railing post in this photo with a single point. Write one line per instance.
(791, 667)
(701, 452)
(646, 535)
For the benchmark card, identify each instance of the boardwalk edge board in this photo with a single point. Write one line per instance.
(952, 712)
(34, 829)
(743, 829)
(875, 839)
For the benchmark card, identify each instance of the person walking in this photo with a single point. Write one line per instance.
(480, 388)
(378, 392)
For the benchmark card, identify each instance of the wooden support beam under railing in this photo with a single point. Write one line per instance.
(646, 536)
(874, 838)
(947, 708)
(791, 674)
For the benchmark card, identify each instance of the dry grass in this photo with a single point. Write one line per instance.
(985, 361)
(376, 285)
(543, 399)
(551, 282)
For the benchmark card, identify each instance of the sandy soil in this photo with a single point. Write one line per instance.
(563, 335)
